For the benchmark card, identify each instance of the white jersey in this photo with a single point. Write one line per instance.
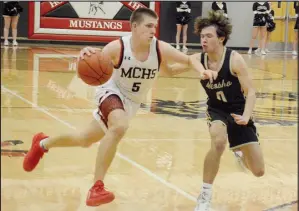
(135, 78)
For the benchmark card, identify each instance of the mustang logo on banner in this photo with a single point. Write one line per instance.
(87, 21)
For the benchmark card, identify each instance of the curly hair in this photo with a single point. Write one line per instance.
(218, 20)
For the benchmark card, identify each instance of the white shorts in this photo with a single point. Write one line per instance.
(110, 88)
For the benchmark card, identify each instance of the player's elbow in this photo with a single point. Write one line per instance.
(166, 72)
(251, 93)
(169, 72)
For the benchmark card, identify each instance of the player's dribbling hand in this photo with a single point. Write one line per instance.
(209, 74)
(239, 119)
(86, 51)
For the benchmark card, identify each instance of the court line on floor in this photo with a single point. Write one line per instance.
(282, 206)
(191, 139)
(140, 167)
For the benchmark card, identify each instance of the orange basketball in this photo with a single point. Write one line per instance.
(95, 69)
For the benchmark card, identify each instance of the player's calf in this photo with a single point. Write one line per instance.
(118, 124)
(254, 159)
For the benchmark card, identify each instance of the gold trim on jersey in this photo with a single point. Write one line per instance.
(209, 120)
(198, 57)
(220, 64)
(241, 145)
(230, 65)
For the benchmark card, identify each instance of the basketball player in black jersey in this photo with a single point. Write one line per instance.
(231, 100)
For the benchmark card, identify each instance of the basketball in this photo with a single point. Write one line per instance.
(95, 69)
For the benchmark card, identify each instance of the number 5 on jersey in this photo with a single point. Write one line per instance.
(220, 96)
(136, 86)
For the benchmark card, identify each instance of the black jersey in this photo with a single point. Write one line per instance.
(215, 7)
(260, 8)
(296, 7)
(184, 5)
(11, 8)
(225, 93)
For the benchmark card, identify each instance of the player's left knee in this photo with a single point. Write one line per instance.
(119, 129)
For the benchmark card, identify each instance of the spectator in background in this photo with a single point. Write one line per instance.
(11, 14)
(260, 11)
(270, 26)
(183, 16)
(295, 43)
(220, 6)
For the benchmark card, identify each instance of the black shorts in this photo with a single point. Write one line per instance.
(12, 9)
(183, 18)
(259, 20)
(238, 135)
(296, 27)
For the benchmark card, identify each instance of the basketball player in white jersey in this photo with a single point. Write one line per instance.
(137, 59)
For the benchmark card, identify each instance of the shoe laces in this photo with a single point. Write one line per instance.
(203, 202)
(204, 197)
(98, 186)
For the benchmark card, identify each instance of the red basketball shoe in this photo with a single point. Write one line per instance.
(35, 153)
(97, 195)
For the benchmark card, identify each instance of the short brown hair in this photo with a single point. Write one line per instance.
(217, 19)
(137, 15)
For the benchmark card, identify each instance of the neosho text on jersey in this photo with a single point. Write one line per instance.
(218, 85)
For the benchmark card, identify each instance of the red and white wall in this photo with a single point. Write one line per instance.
(90, 21)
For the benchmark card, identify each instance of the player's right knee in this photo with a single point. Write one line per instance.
(219, 144)
(219, 137)
(85, 140)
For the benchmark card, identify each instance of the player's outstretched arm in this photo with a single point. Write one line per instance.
(183, 62)
(240, 68)
(176, 68)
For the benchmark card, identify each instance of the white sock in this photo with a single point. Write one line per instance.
(41, 143)
(207, 187)
(205, 192)
(240, 153)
